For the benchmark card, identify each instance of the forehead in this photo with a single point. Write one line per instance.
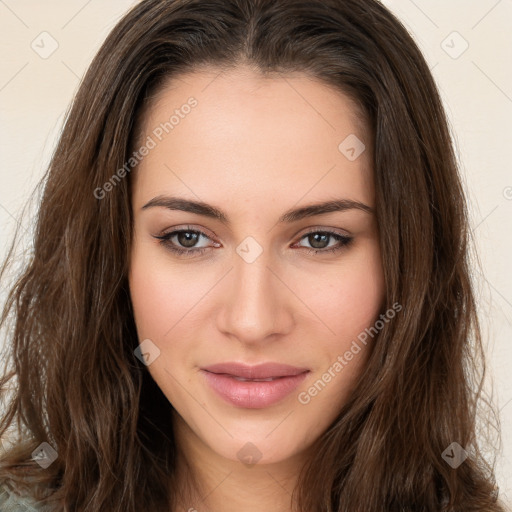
(254, 134)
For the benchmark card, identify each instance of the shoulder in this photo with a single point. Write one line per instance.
(11, 502)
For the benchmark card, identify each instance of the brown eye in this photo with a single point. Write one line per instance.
(187, 238)
(184, 242)
(319, 241)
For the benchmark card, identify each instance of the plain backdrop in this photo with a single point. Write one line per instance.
(47, 46)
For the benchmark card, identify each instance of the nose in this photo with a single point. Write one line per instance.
(256, 304)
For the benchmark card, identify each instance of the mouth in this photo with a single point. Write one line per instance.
(241, 379)
(256, 372)
(253, 387)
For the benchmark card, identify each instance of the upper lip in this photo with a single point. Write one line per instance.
(259, 371)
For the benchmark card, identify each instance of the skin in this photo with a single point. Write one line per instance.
(254, 147)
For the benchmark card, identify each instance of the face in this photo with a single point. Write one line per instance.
(251, 296)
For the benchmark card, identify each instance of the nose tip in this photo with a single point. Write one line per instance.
(255, 307)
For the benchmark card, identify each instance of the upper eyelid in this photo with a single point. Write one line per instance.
(179, 229)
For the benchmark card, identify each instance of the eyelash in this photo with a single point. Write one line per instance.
(165, 240)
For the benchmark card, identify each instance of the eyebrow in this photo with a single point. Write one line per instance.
(293, 215)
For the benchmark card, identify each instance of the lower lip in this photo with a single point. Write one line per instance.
(252, 394)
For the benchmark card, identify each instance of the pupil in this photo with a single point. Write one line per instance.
(318, 244)
(187, 238)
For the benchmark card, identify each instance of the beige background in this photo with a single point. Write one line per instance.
(468, 44)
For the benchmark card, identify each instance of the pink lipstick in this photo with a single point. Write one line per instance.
(253, 387)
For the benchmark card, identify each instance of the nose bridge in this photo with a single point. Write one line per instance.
(254, 307)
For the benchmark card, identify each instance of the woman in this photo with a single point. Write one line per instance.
(250, 287)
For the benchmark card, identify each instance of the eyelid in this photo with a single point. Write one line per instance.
(188, 227)
(323, 229)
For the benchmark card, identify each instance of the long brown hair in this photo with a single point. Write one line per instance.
(72, 334)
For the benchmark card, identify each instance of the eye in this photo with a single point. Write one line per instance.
(319, 242)
(184, 241)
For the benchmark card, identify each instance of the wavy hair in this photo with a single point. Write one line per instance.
(68, 316)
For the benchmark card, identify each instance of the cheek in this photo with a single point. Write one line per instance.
(349, 303)
(348, 297)
(150, 298)
(163, 295)
(360, 300)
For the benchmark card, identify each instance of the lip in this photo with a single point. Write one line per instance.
(253, 394)
(259, 371)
